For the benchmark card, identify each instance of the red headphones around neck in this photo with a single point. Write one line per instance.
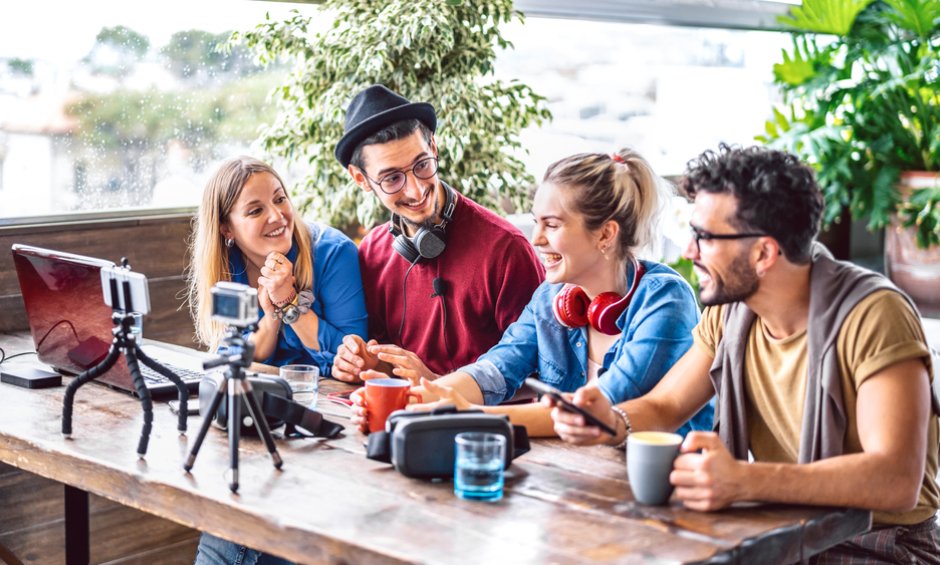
(573, 309)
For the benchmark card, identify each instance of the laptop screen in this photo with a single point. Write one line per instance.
(69, 321)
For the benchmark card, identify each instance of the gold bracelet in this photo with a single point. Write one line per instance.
(626, 425)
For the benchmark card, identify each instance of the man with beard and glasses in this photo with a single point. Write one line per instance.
(444, 277)
(821, 369)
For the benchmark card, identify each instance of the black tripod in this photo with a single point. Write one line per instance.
(126, 342)
(238, 387)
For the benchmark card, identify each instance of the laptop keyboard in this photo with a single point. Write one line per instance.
(152, 377)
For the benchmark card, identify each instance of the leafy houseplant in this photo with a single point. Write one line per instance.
(862, 105)
(436, 51)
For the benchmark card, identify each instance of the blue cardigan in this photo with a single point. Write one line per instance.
(338, 299)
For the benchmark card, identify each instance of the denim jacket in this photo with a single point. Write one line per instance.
(657, 331)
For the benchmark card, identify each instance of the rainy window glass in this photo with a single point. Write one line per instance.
(125, 106)
(109, 105)
(669, 92)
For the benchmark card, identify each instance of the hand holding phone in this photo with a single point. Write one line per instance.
(565, 404)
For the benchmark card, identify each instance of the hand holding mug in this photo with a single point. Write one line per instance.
(381, 396)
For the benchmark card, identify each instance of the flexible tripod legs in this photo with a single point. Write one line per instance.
(238, 388)
(122, 343)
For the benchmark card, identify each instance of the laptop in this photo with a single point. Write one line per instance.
(71, 324)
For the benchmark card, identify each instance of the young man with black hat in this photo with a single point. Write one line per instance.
(444, 277)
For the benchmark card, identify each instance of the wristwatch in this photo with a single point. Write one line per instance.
(296, 308)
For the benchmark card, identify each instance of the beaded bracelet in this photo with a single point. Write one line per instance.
(626, 424)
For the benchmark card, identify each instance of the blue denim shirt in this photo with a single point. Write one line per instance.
(657, 331)
(338, 299)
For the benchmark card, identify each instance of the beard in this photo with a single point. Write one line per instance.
(435, 209)
(740, 284)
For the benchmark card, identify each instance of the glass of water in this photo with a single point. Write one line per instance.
(304, 382)
(478, 465)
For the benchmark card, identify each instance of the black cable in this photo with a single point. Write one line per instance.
(439, 291)
(404, 303)
(54, 326)
(3, 355)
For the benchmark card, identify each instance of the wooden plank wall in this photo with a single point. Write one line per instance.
(155, 246)
(32, 516)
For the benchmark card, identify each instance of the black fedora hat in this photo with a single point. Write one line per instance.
(373, 109)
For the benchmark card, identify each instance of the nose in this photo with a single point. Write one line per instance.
(538, 235)
(412, 188)
(691, 250)
(274, 215)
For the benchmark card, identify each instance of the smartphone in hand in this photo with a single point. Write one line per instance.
(547, 389)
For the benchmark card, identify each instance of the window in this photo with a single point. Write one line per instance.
(111, 105)
(669, 92)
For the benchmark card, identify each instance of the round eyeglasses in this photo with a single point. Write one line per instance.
(394, 181)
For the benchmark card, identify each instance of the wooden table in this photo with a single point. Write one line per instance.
(563, 504)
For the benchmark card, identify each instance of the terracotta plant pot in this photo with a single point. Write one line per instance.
(914, 270)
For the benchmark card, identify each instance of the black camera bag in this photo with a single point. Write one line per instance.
(274, 395)
(421, 444)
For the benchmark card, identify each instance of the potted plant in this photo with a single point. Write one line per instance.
(436, 51)
(861, 88)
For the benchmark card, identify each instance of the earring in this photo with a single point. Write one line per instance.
(604, 252)
(229, 241)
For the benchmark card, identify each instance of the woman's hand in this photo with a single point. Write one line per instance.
(446, 396)
(264, 300)
(405, 364)
(277, 277)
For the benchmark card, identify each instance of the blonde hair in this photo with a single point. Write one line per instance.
(208, 262)
(620, 187)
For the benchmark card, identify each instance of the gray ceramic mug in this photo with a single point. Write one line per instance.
(649, 461)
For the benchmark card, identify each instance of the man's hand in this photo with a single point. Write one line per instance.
(352, 358)
(709, 480)
(572, 427)
(445, 396)
(405, 364)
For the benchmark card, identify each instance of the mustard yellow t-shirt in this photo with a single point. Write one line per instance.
(880, 331)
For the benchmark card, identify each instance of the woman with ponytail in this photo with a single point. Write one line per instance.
(307, 275)
(602, 317)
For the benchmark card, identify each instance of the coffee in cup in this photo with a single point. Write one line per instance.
(650, 456)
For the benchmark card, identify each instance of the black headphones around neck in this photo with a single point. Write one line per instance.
(428, 242)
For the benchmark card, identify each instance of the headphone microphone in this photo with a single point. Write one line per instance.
(439, 288)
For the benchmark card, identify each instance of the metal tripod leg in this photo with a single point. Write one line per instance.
(261, 423)
(234, 430)
(206, 422)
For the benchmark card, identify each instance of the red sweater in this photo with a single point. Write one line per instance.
(489, 272)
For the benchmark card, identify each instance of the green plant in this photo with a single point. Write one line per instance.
(860, 87)
(436, 51)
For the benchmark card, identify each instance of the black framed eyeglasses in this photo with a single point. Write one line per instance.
(394, 181)
(699, 234)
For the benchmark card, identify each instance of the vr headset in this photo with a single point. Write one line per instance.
(421, 444)
(275, 396)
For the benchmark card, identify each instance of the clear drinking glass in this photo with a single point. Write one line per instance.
(304, 383)
(478, 465)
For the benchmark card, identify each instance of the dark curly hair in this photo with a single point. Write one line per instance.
(776, 193)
